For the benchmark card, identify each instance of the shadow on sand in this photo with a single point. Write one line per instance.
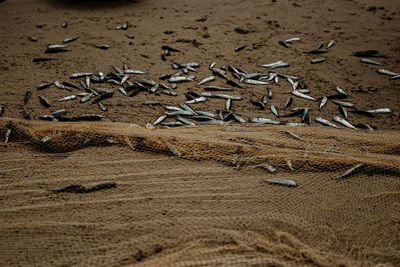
(91, 4)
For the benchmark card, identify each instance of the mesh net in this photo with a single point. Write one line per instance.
(106, 194)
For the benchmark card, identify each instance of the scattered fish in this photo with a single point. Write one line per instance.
(344, 122)
(1, 110)
(379, 111)
(70, 97)
(70, 39)
(263, 121)
(274, 111)
(281, 182)
(267, 167)
(352, 171)
(369, 61)
(344, 104)
(341, 91)
(318, 60)
(288, 102)
(290, 40)
(301, 95)
(295, 136)
(320, 45)
(206, 80)
(325, 122)
(101, 106)
(386, 72)
(102, 46)
(255, 82)
(330, 44)
(237, 49)
(324, 100)
(32, 39)
(64, 24)
(277, 64)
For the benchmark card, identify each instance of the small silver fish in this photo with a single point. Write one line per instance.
(344, 104)
(320, 45)
(101, 106)
(87, 81)
(196, 100)
(281, 182)
(351, 171)
(207, 114)
(134, 72)
(263, 121)
(318, 60)
(395, 77)
(70, 97)
(206, 80)
(330, 44)
(264, 100)
(155, 87)
(289, 163)
(212, 65)
(122, 90)
(269, 93)
(233, 97)
(87, 98)
(182, 112)
(8, 132)
(324, 100)
(238, 118)
(124, 79)
(341, 91)
(172, 124)
(290, 40)
(118, 70)
(295, 136)
(64, 24)
(296, 124)
(386, 72)
(32, 38)
(380, 111)
(71, 39)
(343, 111)
(255, 82)
(185, 121)
(274, 111)
(186, 107)
(288, 102)
(325, 122)
(172, 108)
(180, 79)
(1, 110)
(102, 46)
(80, 75)
(228, 104)
(160, 119)
(369, 61)
(344, 123)
(301, 95)
(277, 64)
(56, 47)
(267, 167)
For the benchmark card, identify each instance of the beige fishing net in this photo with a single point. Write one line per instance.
(106, 194)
